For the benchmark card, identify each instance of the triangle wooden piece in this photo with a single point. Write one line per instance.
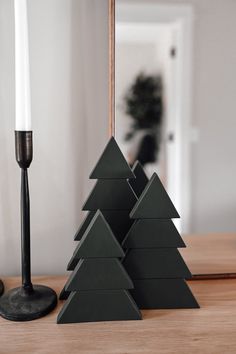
(98, 241)
(119, 222)
(163, 294)
(99, 305)
(139, 183)
(112, 164)
(84, 225)
(111, 195)
(155, 263)
(99, 273)
(72, 262)
(64, 294)
(151, 233)
(154, 202)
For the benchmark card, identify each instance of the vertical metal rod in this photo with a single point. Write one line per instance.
(25, 232)
(111, 68)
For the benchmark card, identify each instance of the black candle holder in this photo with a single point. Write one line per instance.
(27, 302)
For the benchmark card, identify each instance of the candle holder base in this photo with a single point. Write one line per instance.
(20, 305)
(1, 288)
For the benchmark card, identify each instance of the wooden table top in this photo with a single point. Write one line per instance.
(210, 254)
(210, 329)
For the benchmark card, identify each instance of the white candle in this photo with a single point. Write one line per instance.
(22, 71)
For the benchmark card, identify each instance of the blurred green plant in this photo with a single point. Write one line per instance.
(144, 104)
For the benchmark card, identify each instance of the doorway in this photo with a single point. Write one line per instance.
(162, 44)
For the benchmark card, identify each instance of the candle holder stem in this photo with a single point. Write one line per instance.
(25, 232)
(27, 302)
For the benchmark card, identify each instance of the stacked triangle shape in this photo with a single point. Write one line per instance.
(112, 194)
(152, 259)
(112, 164)
(108, 283)
(97, 290)
(99, 283)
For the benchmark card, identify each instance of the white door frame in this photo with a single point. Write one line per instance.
(179, 181)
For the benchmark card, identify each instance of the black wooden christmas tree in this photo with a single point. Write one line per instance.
(152, 259)
(112, 194)
(140, 181)
(99, 282)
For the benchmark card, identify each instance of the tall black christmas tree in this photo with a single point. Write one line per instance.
(140, 181)
(99, 281)
(152, 260)
(112, 194)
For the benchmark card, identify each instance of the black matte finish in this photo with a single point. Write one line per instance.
(112, 164)
(24, 155)
(119, 222)
(28, 302)
(150, 233)
(97, 241)
(99, 282)
(24, 148)
(25, 232)
(163, 294)
(155, 263)
(64, 294)
(154, 202)
(99, 273)
(113, 194)
(84, 225)
(139, 183)
(99, 305)
(1, 288)
(20, 305)
(152, 259)
(72, 262)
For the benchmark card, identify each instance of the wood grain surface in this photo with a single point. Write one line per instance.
(210, 329)
(211, 254)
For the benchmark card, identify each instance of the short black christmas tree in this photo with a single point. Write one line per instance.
(152, 259)
(99, 282)
(112, 194)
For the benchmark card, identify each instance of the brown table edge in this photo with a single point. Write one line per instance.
(213, 276)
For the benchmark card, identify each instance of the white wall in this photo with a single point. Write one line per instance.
(213, 170)
(213, 162)
(69, 73)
